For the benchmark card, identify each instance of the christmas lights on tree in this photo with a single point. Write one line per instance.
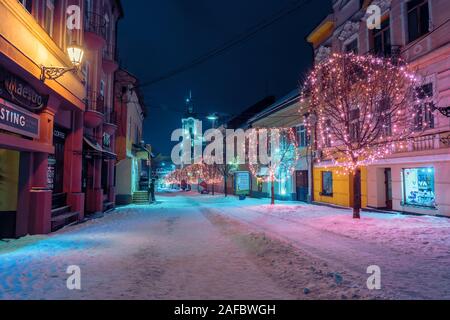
(365, 108)
(284, 154)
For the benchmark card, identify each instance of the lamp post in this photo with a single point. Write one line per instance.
(75, 54)
(213, 118)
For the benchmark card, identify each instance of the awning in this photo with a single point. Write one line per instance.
(95, 149)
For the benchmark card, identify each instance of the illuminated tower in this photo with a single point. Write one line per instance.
(192, 128)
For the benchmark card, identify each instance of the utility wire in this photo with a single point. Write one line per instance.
(232, 43)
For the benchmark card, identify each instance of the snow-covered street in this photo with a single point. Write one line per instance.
(189, 246)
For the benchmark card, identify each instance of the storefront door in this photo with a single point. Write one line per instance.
(302, 185)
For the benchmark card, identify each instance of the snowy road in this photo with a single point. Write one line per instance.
(200, 247)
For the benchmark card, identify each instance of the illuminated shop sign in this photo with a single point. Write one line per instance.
(419, 187)
(17, 120)
(14, 89)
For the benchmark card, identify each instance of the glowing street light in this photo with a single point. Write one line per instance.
(75, 53)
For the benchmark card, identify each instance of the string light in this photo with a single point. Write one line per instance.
(366, 108)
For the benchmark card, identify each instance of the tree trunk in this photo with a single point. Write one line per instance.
(213, 184)
(272, 188)
(357, 194)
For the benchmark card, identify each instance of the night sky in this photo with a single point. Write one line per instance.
(158, 36)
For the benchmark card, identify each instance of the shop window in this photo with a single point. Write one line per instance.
(28, 4)
(418, 187)
(418, 19)
(327, 183)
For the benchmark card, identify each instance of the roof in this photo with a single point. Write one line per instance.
(289, 99)
(241, 120)
(124, 77)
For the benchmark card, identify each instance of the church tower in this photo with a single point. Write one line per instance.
(192, 128)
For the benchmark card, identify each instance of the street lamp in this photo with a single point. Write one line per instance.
(75, 54)
(213, 118)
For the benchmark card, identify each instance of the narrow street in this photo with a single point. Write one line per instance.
(186, 247)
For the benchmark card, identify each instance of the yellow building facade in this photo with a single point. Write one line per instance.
(342, 187)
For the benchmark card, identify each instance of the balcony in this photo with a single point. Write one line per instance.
(94, 114)
(428, 142)
(432, 41)
(95, 30)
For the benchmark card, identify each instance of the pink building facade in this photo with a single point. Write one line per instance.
(56, 144)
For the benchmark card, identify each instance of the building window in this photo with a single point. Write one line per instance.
(302, 136)
(352, 47)
(354, 125)
(327, 183)
(385, 119)
(418, 19)
(28, 4)
(382, 40)
(49, 15)
(418, 187)
(327, 137)
(424, 118)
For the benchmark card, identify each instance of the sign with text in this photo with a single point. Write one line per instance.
(17, 120)
(17, 90)
(242, 179)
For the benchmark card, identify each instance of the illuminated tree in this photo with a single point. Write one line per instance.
(365, 109)
(211, 174)
(282, 146)
(227, 170)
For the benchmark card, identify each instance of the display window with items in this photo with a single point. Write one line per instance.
(418, 187)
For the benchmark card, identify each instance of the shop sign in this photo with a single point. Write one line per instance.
(17, 120)
(242, 179)
(16, 90)
(59, 134)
